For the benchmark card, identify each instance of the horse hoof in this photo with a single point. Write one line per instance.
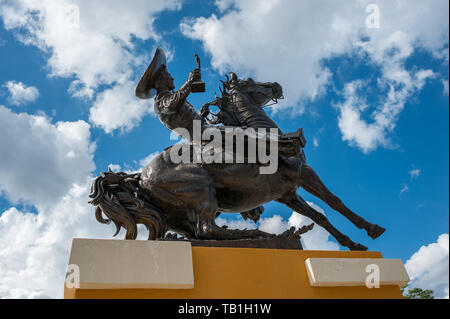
(375, 231)
(358, 247)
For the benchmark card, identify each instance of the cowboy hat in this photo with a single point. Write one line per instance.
(145, 89)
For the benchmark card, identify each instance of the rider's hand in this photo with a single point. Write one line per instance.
(204, 111)
(194, 75)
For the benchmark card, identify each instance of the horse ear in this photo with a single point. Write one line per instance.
(225, 87)
(233, 77)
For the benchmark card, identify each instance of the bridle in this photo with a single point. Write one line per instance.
(274, 100)
(228, 96)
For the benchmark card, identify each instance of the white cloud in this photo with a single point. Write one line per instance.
(414, 173)
(47, 165)
(118, 107)
(224, 4)
(368, 136)
(315, 141)
(94, 47)
(404, 189)
(287, 41)
(353, 128)
(114, 167)
(146, 160)
(428, 267)
(445, 87)
(136, 167)
(316, 138)
(40, 160)
(235, 223)
(315, 239)
(34, 249)
(273, 225)
(20, 94)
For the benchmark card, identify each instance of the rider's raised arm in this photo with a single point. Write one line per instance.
(170, 102)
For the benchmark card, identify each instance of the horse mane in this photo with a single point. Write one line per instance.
(120, 197)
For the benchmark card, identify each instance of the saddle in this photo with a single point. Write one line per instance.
(289, 144)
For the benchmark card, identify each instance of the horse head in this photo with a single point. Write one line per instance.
(261, 93)
(242, 102)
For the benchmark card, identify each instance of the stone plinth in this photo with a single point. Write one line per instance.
(175, 270)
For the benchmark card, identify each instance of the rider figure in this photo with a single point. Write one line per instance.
(172, 108)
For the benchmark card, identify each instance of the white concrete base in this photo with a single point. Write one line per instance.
(335, 272)
(119, 264)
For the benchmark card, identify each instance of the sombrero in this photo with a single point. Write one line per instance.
(145, 89)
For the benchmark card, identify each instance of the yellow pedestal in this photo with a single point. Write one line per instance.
(241, 273)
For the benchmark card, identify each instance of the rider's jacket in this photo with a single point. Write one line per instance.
(174, 111)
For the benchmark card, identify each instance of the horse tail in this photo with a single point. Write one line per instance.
(121, 199)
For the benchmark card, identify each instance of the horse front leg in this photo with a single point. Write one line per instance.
(212, 231)
(313, 185)
(296, 203)
(206, 227)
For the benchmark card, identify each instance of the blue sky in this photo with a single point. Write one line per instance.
(373, 103)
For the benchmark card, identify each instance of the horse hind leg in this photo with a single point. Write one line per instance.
(296, 203)
(253, 214)
(313, 185)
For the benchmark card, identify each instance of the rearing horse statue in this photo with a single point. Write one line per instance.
(186, 197)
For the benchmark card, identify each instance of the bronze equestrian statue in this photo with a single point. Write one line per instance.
(187, 197)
